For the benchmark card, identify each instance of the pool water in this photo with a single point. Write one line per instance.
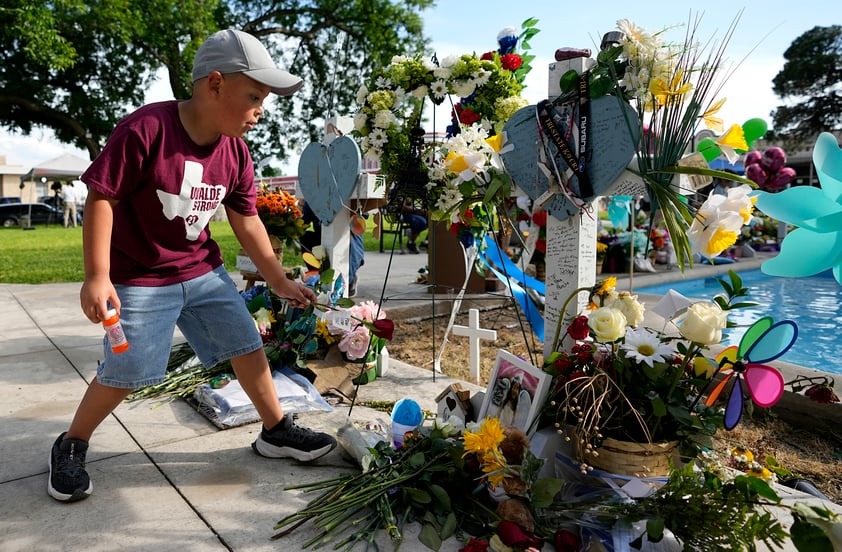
(814, 304)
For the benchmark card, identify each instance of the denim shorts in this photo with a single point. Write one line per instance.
(209, 312)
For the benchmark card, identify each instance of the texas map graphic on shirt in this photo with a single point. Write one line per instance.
(195, 203)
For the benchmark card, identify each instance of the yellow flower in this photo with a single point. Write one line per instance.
(756, 470)
(742, 454)
(487, 438)
(713, 122)
(672, 93)
(494, 467)
(496, 141)
(732, 142)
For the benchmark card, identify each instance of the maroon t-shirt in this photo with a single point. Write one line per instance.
(168, 188)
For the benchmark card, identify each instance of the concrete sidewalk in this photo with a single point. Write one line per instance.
(164, 477)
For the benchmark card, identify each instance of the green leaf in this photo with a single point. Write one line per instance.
(430, 537)
(808, 538)
(441, 497)
(450, 526)
(417, 495)
(345, 303)
(655, 529)
(544, 490)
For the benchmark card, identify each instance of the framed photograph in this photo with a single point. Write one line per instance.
(516, 391)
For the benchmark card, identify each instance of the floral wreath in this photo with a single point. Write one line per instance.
(489, 87)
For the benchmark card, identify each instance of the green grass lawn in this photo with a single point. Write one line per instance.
(52, 254)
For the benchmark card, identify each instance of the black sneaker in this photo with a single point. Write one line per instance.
(352, 287)
(411, 247)
(69, 481)
(287, 440)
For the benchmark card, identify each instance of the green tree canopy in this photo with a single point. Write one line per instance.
(78, 67)
(811, 80)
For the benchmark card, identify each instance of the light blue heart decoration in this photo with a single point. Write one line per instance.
(613, 135)
(327, 175)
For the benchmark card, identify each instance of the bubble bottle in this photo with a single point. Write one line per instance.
(114, 330)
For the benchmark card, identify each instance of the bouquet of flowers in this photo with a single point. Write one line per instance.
(281, 215)
(672, 87)
(464, 172)
(439, 477)
(620, 380)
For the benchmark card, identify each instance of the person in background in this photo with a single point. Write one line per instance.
(69, 196)
(416, 218)
(356, 252)
(148, 251)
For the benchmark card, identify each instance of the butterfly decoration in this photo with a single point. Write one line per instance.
(763, 342)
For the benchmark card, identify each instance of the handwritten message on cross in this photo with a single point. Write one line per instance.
(474, 334)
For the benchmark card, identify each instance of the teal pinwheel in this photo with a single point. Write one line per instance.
(816, 244)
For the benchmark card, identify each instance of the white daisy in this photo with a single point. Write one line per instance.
(645, 346)
(439, 89)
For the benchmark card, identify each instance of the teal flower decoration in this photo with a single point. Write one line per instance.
(816, 244)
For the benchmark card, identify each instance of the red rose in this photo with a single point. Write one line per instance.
(513, 535)
(487, 55)
(468, 116)
(579, 329)
(383, 328)
(565, 541)
(822, 394)
(511, 62)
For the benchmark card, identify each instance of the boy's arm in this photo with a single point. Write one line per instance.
(253, 237)
(97, 289)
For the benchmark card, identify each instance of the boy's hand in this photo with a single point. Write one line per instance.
(298, 295)
(95, 295)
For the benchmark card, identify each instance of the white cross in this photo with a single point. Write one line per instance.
(474, 334)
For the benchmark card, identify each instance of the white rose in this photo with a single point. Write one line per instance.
(703, 323)
(628, 304)
(608, 324)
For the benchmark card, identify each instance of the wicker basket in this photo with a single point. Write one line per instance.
(634, 459)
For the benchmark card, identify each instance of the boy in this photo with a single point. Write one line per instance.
(149, 254)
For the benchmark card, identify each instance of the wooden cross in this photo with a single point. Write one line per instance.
(474, 333)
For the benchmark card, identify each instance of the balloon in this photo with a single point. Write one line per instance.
(756, 173)
(773, 159)
(709, 149)
(751, 158)
(779, 180)
(754, 129)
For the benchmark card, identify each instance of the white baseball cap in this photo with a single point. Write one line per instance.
(233, 51)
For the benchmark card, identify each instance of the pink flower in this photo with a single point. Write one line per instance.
(369, 311)
(355, 343)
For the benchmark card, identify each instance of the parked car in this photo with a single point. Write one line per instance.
(53, 201)
(9, 199)
(38, 213)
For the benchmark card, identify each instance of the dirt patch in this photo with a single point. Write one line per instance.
(815, 457)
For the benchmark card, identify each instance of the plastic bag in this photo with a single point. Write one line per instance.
(232, 407)
(356, 438)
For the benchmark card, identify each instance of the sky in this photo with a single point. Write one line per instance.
(755, 52)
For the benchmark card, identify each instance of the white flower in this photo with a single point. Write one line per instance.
(450, 61)
(378, 137)
(702, 323)
(420, 91)
(362, 94)
(607, 324)
(645, 346)
(360, 120)
(464, 88)
(628, 304)
(384, 118)
(439, 89)
(383, 82)
(738, 201)
(715, 227)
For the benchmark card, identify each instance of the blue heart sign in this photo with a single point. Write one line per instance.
(327, 176)
(612, 135)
